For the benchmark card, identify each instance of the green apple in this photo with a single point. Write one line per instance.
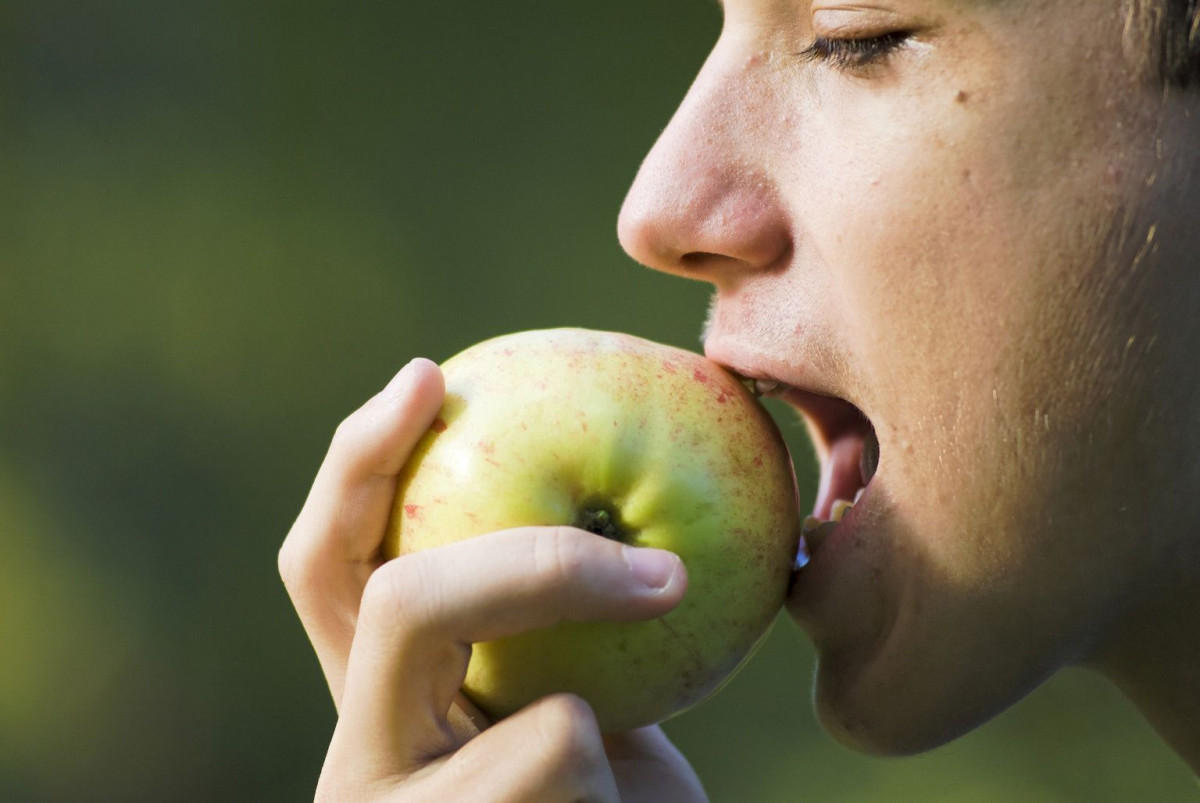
(644, 443)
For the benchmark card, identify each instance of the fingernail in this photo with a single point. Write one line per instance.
(653, 568)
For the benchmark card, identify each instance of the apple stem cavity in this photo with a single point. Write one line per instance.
(600, 520)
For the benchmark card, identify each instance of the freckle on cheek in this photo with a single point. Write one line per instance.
(962, 96)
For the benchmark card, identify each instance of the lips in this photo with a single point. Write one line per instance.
(843, 436)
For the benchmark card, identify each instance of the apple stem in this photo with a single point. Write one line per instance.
(599, 521)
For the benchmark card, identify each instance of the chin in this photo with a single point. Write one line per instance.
(879, 708)
(879, 733)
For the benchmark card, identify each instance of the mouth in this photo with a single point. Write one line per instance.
(846, 445)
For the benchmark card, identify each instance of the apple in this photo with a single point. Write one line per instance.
(644, 443)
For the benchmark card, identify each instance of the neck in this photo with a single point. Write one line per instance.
(1151, 649)
(1151, 652)
(1158, 668)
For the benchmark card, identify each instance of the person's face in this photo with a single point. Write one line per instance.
(919, 225)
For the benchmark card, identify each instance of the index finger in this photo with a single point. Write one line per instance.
(335, 542)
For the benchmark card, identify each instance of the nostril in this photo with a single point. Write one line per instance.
(698, 260)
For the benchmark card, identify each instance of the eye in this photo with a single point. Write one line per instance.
(855, 54)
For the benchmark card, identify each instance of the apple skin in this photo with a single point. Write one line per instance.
(538, 427)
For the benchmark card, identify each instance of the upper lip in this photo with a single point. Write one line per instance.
(828, 414)
(839, 430)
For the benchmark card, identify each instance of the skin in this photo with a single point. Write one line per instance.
(957, 240)
(985, 242)
(395, 651)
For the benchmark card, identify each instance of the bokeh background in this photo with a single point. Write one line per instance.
(223, 225)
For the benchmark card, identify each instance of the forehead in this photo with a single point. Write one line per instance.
(1027, 26)
(798, 7)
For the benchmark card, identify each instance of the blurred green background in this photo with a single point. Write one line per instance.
(223, 225)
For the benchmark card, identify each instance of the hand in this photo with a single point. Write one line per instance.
(394, 638)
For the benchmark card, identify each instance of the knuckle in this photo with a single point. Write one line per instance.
(348, 430)
(558, 554)
(293, 563)
(569, 735)
(368, 438)
(386, 589)
(399, 591)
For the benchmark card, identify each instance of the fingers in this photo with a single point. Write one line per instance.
(466, 720)
(551, 750)
(647, 767)
(420, 614)
(334, 544)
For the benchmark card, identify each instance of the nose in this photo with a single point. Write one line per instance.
(703, 204)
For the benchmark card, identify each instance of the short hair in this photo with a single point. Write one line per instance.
(1163, 38)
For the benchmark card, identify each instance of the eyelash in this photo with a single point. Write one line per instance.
(855, 54)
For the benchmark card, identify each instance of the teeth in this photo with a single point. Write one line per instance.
(813, 531)
(840, 508)
(838, 512)
(812, 534)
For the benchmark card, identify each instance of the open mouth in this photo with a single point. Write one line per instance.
(848, 450)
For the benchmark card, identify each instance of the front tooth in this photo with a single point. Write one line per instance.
(810, 523)
(839, 509)
(765, 386)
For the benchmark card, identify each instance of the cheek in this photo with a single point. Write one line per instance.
(950, 251)
(917, 233)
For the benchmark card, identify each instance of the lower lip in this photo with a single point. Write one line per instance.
(816, 578)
